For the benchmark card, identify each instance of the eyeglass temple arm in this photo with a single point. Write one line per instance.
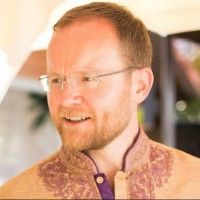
(117, 72)
(102, 75)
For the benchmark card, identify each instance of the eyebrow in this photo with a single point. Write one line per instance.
(53, 74)
(83, 72)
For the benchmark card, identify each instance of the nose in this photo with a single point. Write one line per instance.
(71, 95)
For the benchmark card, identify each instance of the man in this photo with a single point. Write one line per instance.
(98, 72)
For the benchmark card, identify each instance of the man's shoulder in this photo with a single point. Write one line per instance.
(186, 167)
(27, 184)
(180, 157)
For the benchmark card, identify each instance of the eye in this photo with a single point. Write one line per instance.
(88, 78)
(55, 80)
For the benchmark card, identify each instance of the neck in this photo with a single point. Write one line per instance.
(109, 159)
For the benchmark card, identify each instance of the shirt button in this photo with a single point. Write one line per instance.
(99, 180)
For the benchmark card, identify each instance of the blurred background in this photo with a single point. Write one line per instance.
(171, 113)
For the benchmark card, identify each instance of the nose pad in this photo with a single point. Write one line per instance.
(63, 84)
(68, 81)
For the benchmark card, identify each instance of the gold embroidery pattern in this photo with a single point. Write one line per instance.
(77, 161)
(139, 153)
(64, 184)
(151, 175)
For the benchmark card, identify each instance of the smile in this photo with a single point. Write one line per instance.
(76, 119)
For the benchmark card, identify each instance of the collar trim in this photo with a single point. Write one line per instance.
(81, 163)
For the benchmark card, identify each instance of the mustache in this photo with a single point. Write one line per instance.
(74, 112)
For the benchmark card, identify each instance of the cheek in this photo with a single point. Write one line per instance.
(109, 100)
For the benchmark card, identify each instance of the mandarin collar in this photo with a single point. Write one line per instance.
(81, 163)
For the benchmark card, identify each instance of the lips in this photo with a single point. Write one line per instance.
(76, 119)
(72, 116)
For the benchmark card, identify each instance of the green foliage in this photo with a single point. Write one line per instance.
(196, 63)
(141, 114)
(39, 104)
(191, 113)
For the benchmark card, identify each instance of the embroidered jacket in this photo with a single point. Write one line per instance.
(151, 171)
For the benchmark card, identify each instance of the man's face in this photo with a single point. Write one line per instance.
(88, 118)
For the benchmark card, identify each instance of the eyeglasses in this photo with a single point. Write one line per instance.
(85, 80)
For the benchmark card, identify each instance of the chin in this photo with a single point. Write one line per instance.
(70, 141)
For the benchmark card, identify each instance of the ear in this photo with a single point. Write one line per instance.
(142, 81)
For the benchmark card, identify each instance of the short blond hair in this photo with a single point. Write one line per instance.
(132, 34)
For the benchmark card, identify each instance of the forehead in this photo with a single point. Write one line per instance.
(84, 43)
(86, 28)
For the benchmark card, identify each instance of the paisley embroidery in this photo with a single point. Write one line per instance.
(151, 175)
(63, 183)
(70, 174)
(78, 161)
